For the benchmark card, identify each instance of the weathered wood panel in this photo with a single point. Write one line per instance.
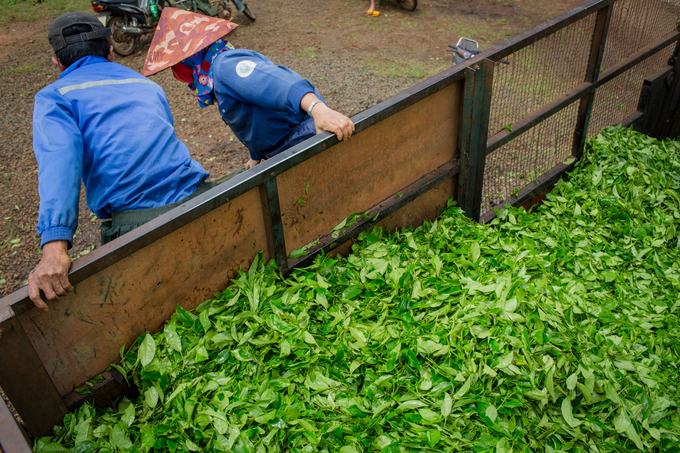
(359, 173)
(82, 334)
(425, 207)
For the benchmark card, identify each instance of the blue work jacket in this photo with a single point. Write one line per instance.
(111, 127)
(259, 100)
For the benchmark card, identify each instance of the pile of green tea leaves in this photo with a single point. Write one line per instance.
(553, 331)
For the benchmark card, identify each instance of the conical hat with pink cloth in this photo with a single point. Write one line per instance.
(179, 35)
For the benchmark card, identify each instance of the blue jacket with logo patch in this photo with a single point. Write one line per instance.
(111, 127)
(260, 101)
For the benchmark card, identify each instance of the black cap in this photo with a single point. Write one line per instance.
(58, 41)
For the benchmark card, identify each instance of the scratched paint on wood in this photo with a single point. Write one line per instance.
(83, 333)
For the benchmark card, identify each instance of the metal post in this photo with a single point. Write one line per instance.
(671, 107)
(26, 383)
(592, 73)
(271, 209)
(473, 162)
(651, 99)
(463, 195)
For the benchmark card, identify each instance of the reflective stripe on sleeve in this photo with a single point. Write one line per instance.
(99, 83)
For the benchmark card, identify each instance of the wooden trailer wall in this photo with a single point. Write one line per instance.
(499, 129)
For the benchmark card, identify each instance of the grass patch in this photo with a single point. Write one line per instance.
(28, 10)
(308, 53)
(25, 68)
(413, 69)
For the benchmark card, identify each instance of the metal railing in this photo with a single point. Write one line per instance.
(599, 55)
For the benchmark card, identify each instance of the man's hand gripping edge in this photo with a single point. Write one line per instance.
(50, 275)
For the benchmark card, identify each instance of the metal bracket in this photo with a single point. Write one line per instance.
(6, 313)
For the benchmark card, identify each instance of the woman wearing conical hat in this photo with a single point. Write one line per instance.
(269, 108)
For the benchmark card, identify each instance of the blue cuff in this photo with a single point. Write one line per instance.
(256, 156)
(57, 233)
(297, 92)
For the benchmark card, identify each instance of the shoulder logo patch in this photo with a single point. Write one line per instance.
(245, 67)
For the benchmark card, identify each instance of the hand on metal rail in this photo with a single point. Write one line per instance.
(50, 275)
(326, 119)
(251, 163)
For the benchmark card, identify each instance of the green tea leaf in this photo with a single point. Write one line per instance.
(120, 439)
(172, 338)
(151, 397)
(147, 350)
(567, 413)
(492, 413)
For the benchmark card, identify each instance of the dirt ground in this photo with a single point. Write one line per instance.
(355, 61)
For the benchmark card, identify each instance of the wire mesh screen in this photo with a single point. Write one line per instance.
(636, 24)
(539, 73)
(519, 162)
(618, 99)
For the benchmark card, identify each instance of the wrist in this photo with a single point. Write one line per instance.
(55, 248)
(310, 110)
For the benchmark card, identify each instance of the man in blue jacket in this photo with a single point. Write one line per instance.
(110, 127)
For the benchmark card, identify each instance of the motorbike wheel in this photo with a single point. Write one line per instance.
(224, 12)
(122, 44)
(408, 5)
(249, 14)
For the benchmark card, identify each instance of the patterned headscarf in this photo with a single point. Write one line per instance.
(201, 68)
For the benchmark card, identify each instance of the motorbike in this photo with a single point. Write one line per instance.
(408, 5)
(131, 19)
(464, 50)
(215, 8)
(128, 20)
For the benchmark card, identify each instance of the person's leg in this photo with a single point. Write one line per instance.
(371, 10)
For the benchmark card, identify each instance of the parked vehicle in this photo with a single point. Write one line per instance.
(408, 5)
(215, 8)
(128, 20)
(465, 49)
